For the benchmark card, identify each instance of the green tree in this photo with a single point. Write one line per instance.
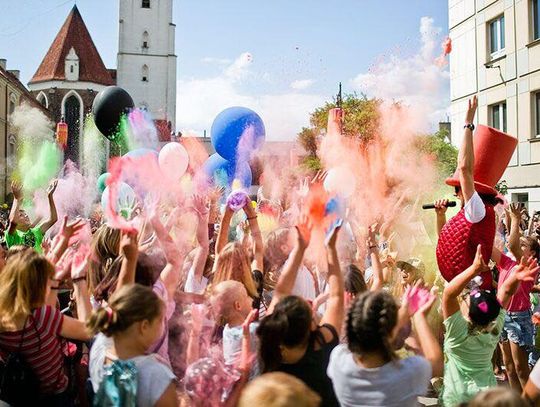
(361, 121)
(444, 152)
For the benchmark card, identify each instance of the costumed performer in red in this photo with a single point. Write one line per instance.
(480, 167)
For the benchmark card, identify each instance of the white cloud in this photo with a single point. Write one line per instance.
(216, 61)
(302, 84)
(415, 80)
(201, 99)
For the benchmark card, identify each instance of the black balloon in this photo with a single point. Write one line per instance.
(108, 107)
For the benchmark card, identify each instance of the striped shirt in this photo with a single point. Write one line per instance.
(41, 348)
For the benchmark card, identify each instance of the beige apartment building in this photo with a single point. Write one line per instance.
(12, 94)
(496, 55)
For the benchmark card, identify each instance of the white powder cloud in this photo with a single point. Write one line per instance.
(415, 80)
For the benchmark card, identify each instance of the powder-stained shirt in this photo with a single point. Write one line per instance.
(467, 359)
(41, 348)
(30, 238)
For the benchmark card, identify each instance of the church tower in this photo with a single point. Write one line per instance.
(68, 79)
(146, 58)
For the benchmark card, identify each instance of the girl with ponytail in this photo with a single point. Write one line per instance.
(290, 341)
(366, 371)
(124, 372)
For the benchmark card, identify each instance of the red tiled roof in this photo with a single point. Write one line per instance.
(73, 34)
(163, 128)
(27, 96)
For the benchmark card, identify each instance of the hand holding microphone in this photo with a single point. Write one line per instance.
(440, 205)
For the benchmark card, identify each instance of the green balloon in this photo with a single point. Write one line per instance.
(102, 182)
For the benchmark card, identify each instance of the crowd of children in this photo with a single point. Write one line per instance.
(142, 318)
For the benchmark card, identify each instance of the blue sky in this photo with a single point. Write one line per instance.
(298, 51)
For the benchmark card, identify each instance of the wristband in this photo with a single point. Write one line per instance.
(253, 217)
(76, 280)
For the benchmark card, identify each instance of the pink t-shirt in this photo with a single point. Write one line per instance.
(520, 301)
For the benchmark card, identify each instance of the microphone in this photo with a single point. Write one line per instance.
(450, 204)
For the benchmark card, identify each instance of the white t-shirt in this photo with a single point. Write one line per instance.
(304, 286)
(475, 210)
(395, 384)
(153, 375)
(194, 286)
(232, 346)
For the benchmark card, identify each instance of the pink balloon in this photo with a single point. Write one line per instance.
(173, 160)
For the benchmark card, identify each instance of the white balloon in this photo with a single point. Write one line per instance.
(340, 181)
(173, 160)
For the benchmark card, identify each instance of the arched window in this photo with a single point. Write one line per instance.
(145, 40)
(42, 99)
(145, 73)
(72, 113)
(145, 4)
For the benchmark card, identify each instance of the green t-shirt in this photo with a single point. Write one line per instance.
(467, 359)
(31, 238)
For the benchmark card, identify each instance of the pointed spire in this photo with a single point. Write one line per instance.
(73, 34)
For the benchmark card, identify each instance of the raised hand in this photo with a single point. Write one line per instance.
(478, 263)
(331, 240)
(69, 230)
(52, 187)
(129, 246)
(417, 299)
(201, 205)
(16, 189)
(514, 210)
(303, 231)
(252, 317)
(471, 110)
(80, 262)
(371, 240)
(319, 178)
(527, 270)
(441, 206)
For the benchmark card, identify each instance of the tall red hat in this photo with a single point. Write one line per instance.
(493, 150)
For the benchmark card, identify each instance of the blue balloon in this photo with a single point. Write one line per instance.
(141, 152)
(237, 132)
(223, 172)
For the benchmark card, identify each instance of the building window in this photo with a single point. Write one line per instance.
(521, 198)
(145, 73)
(42, 99)
(537, 112)
(72, 113)
(496, 37)
(145, 41)
(145, 3)
(12, 104)
(536, 19)
(498, 116)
